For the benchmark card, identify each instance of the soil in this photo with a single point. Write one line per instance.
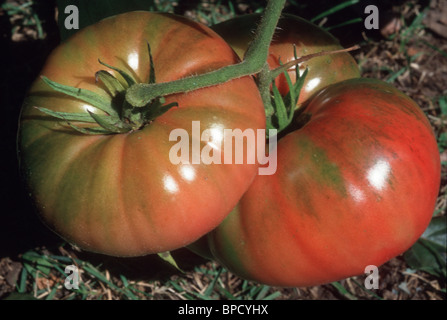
(420, 54)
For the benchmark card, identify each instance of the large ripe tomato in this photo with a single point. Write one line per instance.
(356, 185)
(307, 37)
(120, 194)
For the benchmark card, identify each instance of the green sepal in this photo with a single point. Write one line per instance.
(101, 102)
(108, 123)
(291, 98)
(295, 55)
(118, 120)
(166, 256)
(295, 90)
(280, 108)
(151, 65)
(285, 107)
(152, 78)
(112, 83)
(90, 131)
(129, 80)
(68, 116)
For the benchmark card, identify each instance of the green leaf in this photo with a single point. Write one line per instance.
(262, 292)
(428, 44)
(90, 131)
(337, 285)
(442, 142)
(443, 105)
(41, 261)
(166, 256)
(52, 294)
(292, 97)
(36, 258)
(23, 276)
(128, 78)
(112, 83)
(108, 123)
(101, 102)
(396, 74)
(429, 252)
(20, 296)
(151, 64)
(97, 274)
(334, 9)
(273, 295)
(67, 116)
(346, 23)
(285, 106)
(213, 283)
(280, 107)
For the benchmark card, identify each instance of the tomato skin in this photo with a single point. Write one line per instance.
(355, 186)
(308, 38)
(120, 194)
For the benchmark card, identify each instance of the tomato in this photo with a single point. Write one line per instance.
(356, 185)
(307, 37)
(119, 194)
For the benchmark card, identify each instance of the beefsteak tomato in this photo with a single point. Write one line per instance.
(307, 37)
(120, 194)
(292, 31)
(356, 185)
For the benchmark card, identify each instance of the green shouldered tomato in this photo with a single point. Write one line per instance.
(356, 185)
(307, 37)
(120, 194)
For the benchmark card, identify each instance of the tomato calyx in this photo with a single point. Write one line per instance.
(280, 109)
(254, 61)
(134, 105)
(143, 102)
(116, 114)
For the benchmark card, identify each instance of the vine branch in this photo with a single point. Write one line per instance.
(255, 59)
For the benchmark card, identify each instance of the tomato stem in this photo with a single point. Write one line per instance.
(133, 105)
(254, 61)
(276, 72)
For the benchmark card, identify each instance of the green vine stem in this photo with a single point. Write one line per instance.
(276, 72)
(255, 60)
(141, 103)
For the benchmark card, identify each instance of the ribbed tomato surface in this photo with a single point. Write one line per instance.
(356, 185)
(120, 194)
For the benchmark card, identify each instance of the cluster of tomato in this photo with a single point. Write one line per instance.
(356, 182)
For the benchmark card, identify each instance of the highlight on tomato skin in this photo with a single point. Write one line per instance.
(356, 185)
(119, 194)
(307, 38)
